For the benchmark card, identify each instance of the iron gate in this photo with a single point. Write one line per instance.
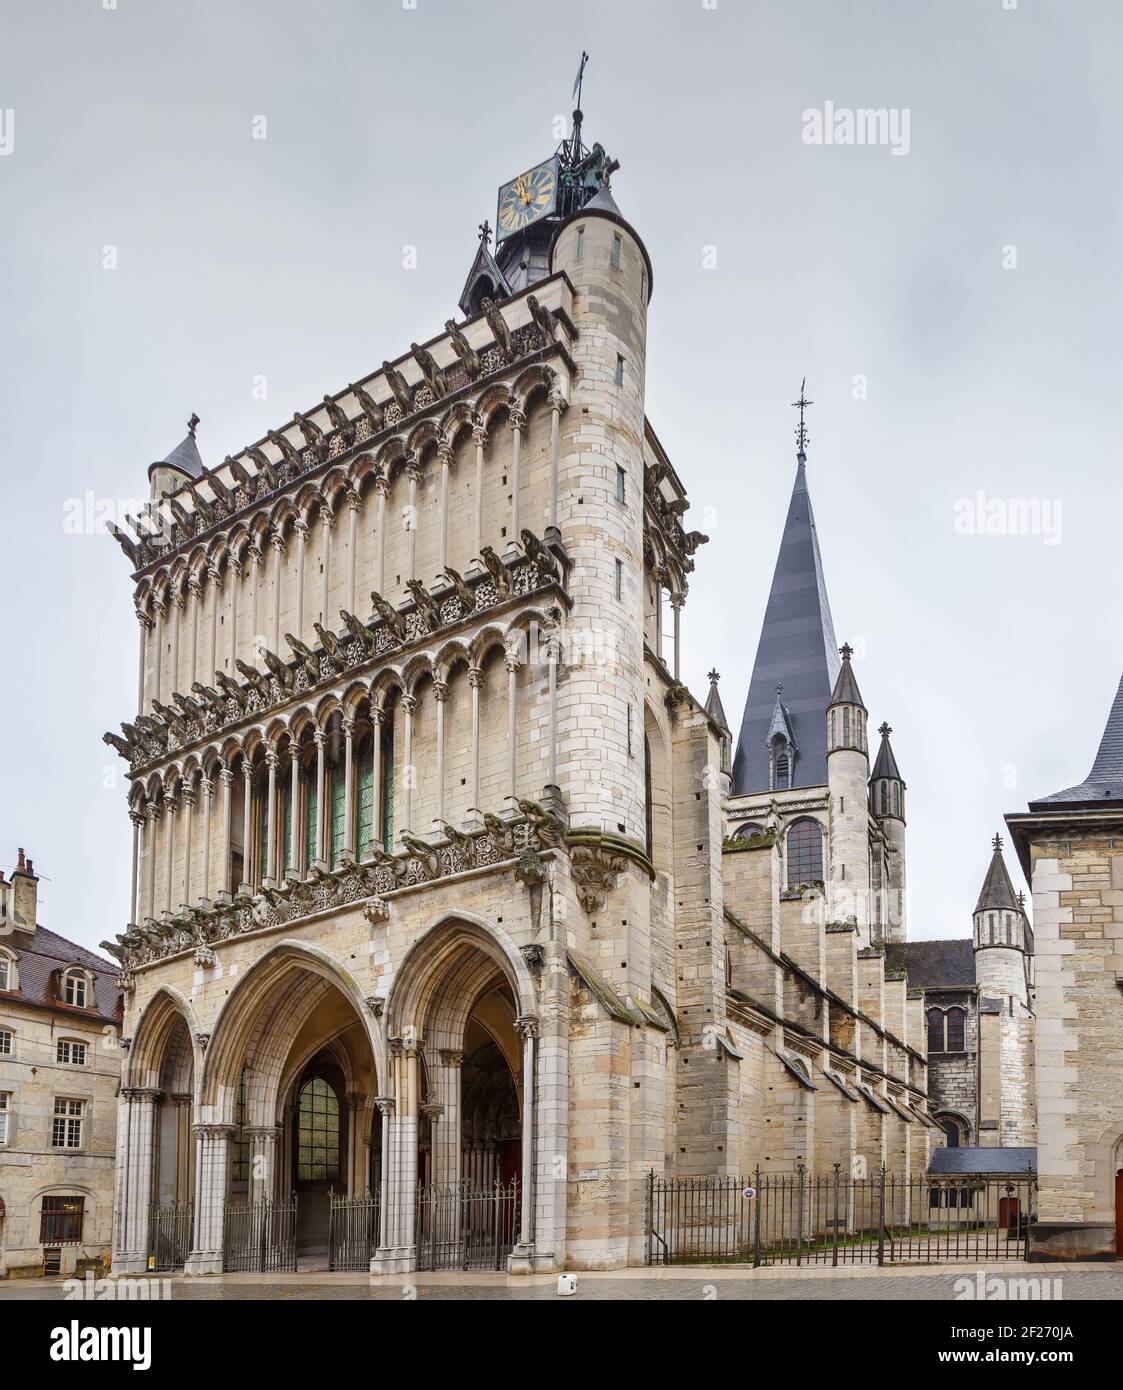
(800, 1218)
(467, 1227)
(353, 1231)
(171, 1227)
(259, 1237)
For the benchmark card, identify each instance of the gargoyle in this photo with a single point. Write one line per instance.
(465, 845)
(434, 377)
(132, 733)
(498, 325)
(212, 697)
(389, 615)
(463, 593)
(116, 742)
(289, 451)
(217, 486)
(357, 629)
(329, 641)
(231, 689)
(118, 953)
(498, 571)
(151, 728)
(278, 668)
(170, 718)
(548, 827)
(202, 507)
(694, 539)
(182, 515)
(463, 350)
(537, 553)
(422, 852)
(255, 678)
(131, 549)
(261, 461)
(306, 656)
(369, 406)
(238, 473)
(397, 384)
(398, 867)
(542, 316)
(426, 604)
(339, 420)
(500, 831)
(191, 708)
(313, 434)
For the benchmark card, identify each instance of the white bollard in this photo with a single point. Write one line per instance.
(567, 1284)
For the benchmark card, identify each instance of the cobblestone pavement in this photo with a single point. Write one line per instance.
(1101, 1282)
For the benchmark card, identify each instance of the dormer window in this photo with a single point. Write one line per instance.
(76, 989)
(6, 973)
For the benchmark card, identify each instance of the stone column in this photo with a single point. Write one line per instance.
(277, 538)
(246, 885)
(226, 777)
(301, 528)
(348, 789)
(444, 453)
(479, 439)
(139, 1156)
(527, 1027)
(677, 600)
(144, 622)
(212, 1165)
(294, 816)
(177, 608)
(385, 1216)
(440, 696)
(171, 806)
(327, 522)
(382, 487)
(518, 425)
(257, 560)
(553, 658)
(137, 818)
(320, 739)
(195, 589)
(264, 1142)
(181, 1106)
(160, 608)
(214, 574)
(353, 503)
(413, 473)
(270, 842)
(208, 795)
(513, 663)
(235, 585)
(409, 706)
(188, 816)
(430, 1114)
(475, 680)
(152, 814)
(377, 714)
(451, 1061)
(557, 405)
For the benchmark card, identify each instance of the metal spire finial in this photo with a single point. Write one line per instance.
(996, 843)
(846, 651)
(885, 730)
(801, 435)
(485, 232)
(191, 424)
(713, 677)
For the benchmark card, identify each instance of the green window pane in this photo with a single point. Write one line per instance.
(286, 825)
(310, 846)
(365, 808)
(338, 805)
(388, 794)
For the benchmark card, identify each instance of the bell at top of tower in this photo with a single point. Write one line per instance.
(529, 209)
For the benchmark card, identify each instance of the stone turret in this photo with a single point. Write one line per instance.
(887, 805)
(716, 711)
(183, 465)
(1002, 937)
(847, 774)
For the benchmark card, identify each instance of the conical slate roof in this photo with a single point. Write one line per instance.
(1105, 781)
(846, 690)
(886, 764)
(185, 456)
(714, 707)
(997, 890)
(797, 648)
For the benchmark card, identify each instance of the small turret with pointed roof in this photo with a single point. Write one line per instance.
(999, 917)
(887, 786)
(183, 465)
(716, 712)
(846, 713)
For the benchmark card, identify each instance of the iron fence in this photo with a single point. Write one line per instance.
(259, 1237)
(801, 1218)
(171, 1226)
(353, 1231)
(467, 1227)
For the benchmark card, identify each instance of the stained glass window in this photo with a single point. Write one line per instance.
(805, 853)
(388, 790)
(311, 800)
(286, 825)
(318, 1133)
(365, 808)
(338, 804)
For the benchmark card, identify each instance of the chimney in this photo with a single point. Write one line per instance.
(23, 895)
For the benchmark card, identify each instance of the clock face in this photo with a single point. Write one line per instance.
(525, 199)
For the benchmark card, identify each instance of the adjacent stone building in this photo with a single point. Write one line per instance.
(977, 994)
(60, 1070)
(441, 876)
(1070, 846)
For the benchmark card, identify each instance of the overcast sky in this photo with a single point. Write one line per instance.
(953, 298)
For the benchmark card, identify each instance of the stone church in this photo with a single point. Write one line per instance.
(443, 882)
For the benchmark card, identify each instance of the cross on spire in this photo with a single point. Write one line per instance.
(996, 843)
(191, 424)
(801, 435)
(485, 233)
(885, 730)
(779, 689)
(713, 677)
(846, 651)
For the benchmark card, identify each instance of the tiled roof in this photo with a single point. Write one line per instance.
(40, 965)
(972, 1160)
(930, 964)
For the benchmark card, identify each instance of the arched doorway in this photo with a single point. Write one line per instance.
(318, 1136)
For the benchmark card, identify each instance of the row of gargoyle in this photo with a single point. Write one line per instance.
(537, 828)
(167, 720)
(316, 440)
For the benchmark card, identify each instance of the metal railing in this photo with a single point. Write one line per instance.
(467, 1227)
(832, 1219)
(171, 1226)
(353, 1231)
(259, 1237)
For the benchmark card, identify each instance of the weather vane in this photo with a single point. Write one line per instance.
(801, 405)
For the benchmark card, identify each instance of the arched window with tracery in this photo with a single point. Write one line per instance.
(804, 852)
(318, 1132)
(935, 1030)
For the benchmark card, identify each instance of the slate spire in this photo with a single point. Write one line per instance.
(997, 892)
(1105, 781)
(798, 648)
